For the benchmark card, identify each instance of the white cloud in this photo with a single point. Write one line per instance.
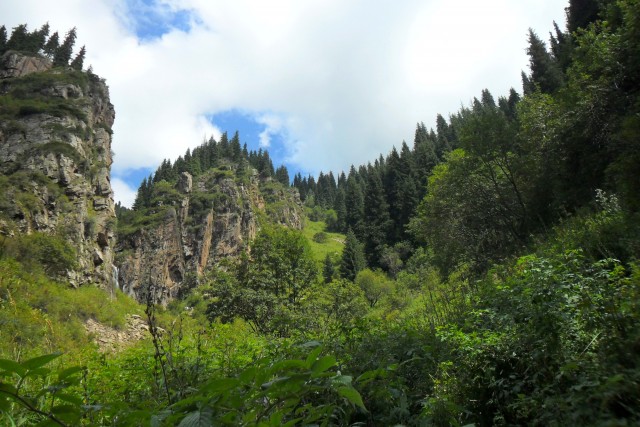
(123, 193)
(348, 79)
(274, 125)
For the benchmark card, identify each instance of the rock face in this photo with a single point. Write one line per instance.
(55, 159)
(211, 218)
(13, 64)
(110, 340)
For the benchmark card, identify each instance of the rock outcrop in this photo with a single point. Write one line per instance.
(14, 64)
(55, 158)
(111, 340)
(212, 217)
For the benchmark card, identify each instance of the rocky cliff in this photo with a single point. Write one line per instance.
(55, 159)
(196, 223)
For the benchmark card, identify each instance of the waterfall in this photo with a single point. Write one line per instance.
(116, 283)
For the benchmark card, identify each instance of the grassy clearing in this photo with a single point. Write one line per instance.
(39, 315)
(333, 244)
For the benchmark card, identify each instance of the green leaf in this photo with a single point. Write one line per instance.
(200, 418)
(69, 398)
(68, 372)
(12, 367)
(219, 385)
(352, 395)
(39, 361)
(323, 364)
(344, 380)
(8, 388)
(313, 356)
(286, 364)
(371, 375)
(38, 372)
(247, 375)
(64, 409)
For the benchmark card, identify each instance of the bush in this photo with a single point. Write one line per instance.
(52, 254)
(320, 237)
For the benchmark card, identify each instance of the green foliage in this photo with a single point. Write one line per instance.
(332, 246)
(268, 284)
(549, 338)
(375, 285)
(31, 392)
(320, 237)
(40, 315)
(352, 260)
(51, 253)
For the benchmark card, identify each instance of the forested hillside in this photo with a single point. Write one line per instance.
(485, 275)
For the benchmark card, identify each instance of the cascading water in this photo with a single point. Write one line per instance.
(115, 278)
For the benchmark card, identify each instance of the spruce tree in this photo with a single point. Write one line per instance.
(282, 175)
(353, 260)
(443, 143)
(78, 61)
(52, 45)
(354, 202)
(328, 269)
(340, 207)
(424, 156)
(235, 149)
(545, 72)
(63, 54)
(19, 39)
(376, 219)
(3, 39)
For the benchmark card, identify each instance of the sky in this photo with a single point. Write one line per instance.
(321, 84)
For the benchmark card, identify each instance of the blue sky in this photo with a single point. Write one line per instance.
(322, 83)
(151, 19)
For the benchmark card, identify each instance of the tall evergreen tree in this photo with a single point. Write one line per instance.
(340, 207)
(3, 39)
(545, 72)
(443, 143)
(235, 148)
(424, 156)
(52, 45)
(282, 175)
(354, 201)
(328, 269)
(353, 260)
(376, 218)
(63, 54)
(78, 61)
(19, 39)
(581, 13)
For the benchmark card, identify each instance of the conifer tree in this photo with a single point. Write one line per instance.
(63, 53)
(443, 143)
(37, 39)
(377, 220)
(353, 259)
(19, 38)
(328, 269)
(545, 73)
(223, 145)
(581, 13)
(340, 207)
(3, 39)
(235, 149)
(354, 200)
(282, 175)
(78, 61)
(52, 45)
(424, 156)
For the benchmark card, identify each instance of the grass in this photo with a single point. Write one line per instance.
(332, 246)
(39, 315)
